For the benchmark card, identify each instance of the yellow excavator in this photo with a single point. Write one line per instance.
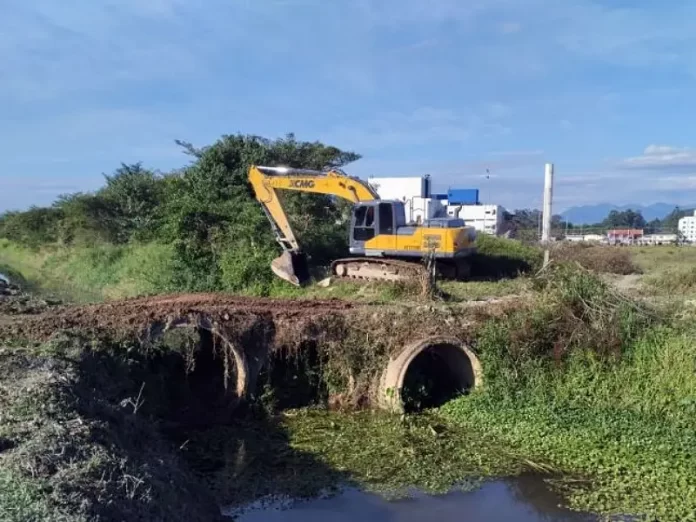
(385, 246)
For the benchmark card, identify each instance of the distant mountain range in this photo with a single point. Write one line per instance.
(587, 214)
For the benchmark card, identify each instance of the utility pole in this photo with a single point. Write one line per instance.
(548, 197)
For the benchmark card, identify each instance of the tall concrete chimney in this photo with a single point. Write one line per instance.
(548, 198)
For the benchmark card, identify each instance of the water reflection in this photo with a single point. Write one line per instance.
(524, 499)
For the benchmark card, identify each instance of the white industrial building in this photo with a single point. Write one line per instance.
(415, 194)
(585, 238)
(420, 204)
(658, 239)
(687, 228)
(484, 218)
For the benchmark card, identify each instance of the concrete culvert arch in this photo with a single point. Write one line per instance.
(439, 367)
(229, 358)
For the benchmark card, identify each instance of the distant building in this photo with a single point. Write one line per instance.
(585, 238)
(594, 238)
(658, 239)
(624, 236)
(413, 191)
(687, 228)
(484, 218)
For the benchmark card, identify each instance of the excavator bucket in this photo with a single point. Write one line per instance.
(292, 267)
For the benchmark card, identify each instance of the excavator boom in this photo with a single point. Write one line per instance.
(291, 265)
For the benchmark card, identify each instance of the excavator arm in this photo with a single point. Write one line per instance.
(292, 264)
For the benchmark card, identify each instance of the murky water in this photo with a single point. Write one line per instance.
(4, 277)
(524, 499)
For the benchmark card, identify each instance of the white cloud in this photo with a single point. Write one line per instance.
(662, 158)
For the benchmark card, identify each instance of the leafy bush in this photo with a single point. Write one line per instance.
(205, 213)
(674, 281)
(33, 227)
(497, 257)
(578, 312)
(605, 259)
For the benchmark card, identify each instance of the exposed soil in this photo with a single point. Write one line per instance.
(133, 315)
(14, 301)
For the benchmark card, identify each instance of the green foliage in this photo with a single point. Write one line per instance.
(677, 281)
(33, 227)
(93, 273)
(498, 257)
(625, 429)
(624, 219)
(205, 213)
(596, 386)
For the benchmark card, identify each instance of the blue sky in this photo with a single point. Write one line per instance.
(604, 89)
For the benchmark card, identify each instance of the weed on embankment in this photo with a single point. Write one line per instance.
(676, 282)
(81, 437)
(602, 389)
(601, 259)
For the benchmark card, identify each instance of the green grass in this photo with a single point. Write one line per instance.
(105, 272)
(623, 432)
(477, 290)
(22, 500)
(677, 281)
(94, 273)
(497, 257)
(657, 259)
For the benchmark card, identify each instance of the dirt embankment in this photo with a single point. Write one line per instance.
(136, 315)
(91, 418)
(13, 300)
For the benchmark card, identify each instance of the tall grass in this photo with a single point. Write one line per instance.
(600, 389)
(92, 273)
(675, 281)
(657, 259)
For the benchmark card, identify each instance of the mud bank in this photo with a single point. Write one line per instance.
(365, 352)
(105, 406)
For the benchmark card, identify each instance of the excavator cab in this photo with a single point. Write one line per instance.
(376, 218)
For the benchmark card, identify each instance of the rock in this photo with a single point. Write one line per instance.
(324, 283)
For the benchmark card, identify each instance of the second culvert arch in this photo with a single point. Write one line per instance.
(451, 362)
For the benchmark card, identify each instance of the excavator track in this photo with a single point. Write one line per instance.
(377, 269)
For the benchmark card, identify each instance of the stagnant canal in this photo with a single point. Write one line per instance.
(522, 499)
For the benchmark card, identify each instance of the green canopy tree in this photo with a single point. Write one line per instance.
(212, 216)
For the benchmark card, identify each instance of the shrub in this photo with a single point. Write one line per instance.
(498, 257)
(675, 281)
(604, 259)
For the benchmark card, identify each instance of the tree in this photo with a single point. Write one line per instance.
(624, 219)
(210, 211)
(135, 195)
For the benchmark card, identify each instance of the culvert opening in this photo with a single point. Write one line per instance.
(292, 379)
(201, 387)
(438, 374)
